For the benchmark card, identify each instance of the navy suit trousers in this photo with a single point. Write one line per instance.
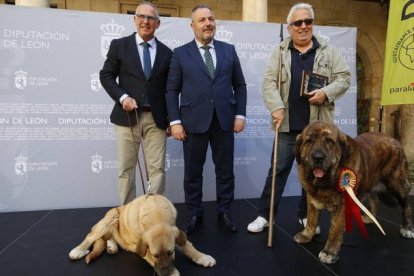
(195, 151)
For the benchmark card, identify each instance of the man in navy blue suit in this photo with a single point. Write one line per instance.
(208, 77)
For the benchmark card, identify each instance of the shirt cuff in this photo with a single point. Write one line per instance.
(123, 98)
(176, 122)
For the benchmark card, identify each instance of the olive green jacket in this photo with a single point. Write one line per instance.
(328, 62)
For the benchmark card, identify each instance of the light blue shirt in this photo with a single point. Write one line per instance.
(152, 49)
(214, 57)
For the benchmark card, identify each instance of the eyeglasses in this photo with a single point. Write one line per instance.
(142, 17)
(298, 23)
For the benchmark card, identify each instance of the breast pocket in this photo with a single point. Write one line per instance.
(324, 68)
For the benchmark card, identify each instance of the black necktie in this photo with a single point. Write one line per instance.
(209, 60)
(147, 59)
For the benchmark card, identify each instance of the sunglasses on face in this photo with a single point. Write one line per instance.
(298, 23)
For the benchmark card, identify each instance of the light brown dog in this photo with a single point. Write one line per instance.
(145, 226)
(322, 150)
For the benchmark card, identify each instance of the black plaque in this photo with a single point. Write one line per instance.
(312, 81)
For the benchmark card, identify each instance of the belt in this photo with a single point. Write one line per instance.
(146, 108)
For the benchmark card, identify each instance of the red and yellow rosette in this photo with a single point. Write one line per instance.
(346, 182)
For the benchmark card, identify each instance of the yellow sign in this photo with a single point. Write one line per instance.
(398, 81)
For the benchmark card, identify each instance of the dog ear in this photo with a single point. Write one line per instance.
(180, 237)
(142, 247)
(344, 142)
(296, 149)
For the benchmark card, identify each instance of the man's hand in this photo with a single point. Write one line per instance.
(238, 125)
(178, 132)
(317, 97)
(278, 116)
(129, 104)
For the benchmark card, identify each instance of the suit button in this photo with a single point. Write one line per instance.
(211, 101)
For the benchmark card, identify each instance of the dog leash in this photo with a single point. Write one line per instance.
(144, 157)
(137, 154)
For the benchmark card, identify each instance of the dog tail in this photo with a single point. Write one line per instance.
(98, 248)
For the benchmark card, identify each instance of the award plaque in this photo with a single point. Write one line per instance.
(312, 81)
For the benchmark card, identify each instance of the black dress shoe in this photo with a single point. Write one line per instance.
(193, 223)
(226, 220)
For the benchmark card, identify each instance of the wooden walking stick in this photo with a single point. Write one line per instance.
(272, 194)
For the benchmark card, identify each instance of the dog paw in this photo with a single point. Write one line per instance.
(206, 261)
(407, 233)
(327, 258)
(301, 238)
(77, 253)
(111, 247)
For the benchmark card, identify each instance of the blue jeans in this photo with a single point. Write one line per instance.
(284, 163)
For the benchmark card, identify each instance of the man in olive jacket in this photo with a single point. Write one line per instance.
(302, 51)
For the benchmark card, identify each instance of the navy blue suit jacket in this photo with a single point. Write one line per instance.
(226, 94)
(123, 62)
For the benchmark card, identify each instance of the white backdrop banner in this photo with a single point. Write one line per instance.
(58, 147)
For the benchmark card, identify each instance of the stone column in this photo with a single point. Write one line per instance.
(407, 134)
(33, 3)
(255, 10)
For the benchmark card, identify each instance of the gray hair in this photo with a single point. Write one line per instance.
(299, 6)
(200, 6)
(157, 13)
